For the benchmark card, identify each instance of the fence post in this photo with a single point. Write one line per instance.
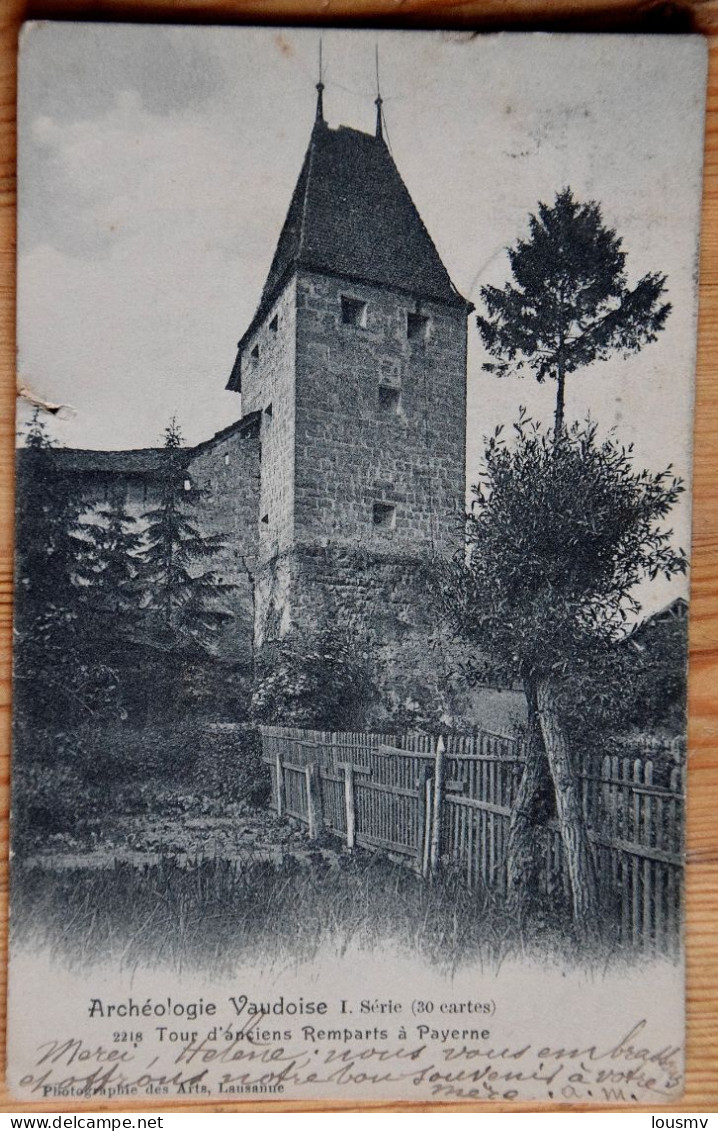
(280, 782)
(314, 801)
(349, 803)
(435, 849)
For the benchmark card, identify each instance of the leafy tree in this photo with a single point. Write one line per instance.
(182, 600)
(638, 685)
(562, 530)
(569, 303)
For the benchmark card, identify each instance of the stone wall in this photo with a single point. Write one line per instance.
(380, 423)
(226, 471)
(378, 604)
(380, 419)
(268, 387)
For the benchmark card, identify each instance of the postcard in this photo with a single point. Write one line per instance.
(353, 539)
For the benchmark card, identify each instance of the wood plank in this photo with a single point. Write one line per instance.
(381, 787)
(397, 752)
(641, 851)
(475, 803)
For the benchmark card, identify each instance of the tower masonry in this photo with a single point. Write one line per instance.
(355, 366)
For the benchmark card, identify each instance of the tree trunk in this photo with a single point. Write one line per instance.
(577, 846)
(527, 829)
(560, 397)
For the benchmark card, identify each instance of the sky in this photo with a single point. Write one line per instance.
(156, 165)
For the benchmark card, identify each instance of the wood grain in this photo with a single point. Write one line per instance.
(592, 15)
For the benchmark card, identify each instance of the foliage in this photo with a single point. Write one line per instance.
(228, 764)
(326, 681)
(183, 602)
(563, 528)
(56, 671)
(659, 659)
(569, 303)
(108, 567)
(638, 685)
(48, 529)
(114, 617)
(70, 781)
(47, 800)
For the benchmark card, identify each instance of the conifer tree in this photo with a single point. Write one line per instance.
(56, 676)
(109, 564)
(182, 600)
(569, 303)
(48, 528)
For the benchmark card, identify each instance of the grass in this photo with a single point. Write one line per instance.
(213, 913)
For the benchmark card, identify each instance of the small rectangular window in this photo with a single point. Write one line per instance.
(384, 516)
(274, 324)
(417, 327)
(255, 353)
(353, 312)
(389, 399)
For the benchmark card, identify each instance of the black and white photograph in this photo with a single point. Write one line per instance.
(353, 537)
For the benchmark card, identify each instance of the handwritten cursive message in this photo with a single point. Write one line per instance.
(318, 1060)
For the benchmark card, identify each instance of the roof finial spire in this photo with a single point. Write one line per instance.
(320, 88)
(378, 101)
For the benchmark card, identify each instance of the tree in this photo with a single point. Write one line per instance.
(109, 564)
(570, 303)
(49, 536)
(182, 600)
(562, 530)
(56, 676)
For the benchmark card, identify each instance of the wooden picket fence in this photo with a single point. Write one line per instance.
(448, 802)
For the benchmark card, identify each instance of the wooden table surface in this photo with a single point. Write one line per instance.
(592, 15)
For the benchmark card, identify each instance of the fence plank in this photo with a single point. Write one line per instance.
(350, 804)
(314, 810)
(435, 849)
(426, 826)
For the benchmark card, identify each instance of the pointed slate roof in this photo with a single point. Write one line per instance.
(351, 215)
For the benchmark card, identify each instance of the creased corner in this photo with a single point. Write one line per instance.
(39, 402)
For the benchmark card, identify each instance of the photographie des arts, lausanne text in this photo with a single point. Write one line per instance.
(350, 660)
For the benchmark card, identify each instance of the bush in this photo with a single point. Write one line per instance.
(229, 765)
(65, 778)
(47, 801)
(327, 681)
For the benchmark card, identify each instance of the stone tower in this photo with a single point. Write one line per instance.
(356, 363)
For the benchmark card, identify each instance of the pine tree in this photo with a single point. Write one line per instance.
(57, 679)
(109, 564)
(569, 303)
(182, 600)
(48, 529)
